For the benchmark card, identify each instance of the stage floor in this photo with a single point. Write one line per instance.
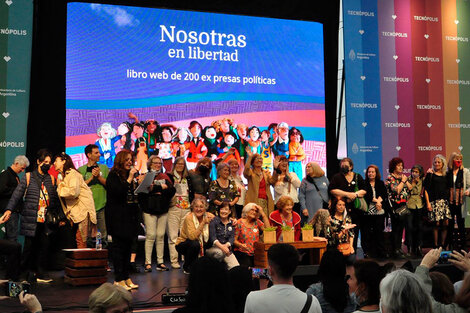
(60, 297)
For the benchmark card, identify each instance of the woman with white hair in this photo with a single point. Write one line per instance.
(194, 236)
(109, 298)
(248, 231)
(402, 291)
(437, 198)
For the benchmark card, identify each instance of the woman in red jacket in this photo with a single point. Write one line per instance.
(284, 216)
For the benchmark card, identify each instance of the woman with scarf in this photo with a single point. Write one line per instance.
(194, 235)
(155, 205)
(37, 188)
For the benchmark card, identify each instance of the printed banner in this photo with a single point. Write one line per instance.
(423, 84)
(16, 20)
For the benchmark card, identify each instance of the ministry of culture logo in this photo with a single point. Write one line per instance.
(355, 148)
(352, 55)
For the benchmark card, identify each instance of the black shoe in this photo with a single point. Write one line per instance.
(148, 268)
(162, 267)
(134, 268)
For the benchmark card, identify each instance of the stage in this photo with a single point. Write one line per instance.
(60, 297)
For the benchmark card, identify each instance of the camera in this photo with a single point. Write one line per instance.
(444, 257)
(90, 169)
(259, 272)
(15, 288)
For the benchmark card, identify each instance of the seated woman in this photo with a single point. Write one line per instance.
(364, 282)
(247, 232)
(221, 236)
(332, 291)
(194, 235)
(339, 234)
(284, 216)
(321, 221)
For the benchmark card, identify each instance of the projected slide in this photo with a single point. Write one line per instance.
(178, 83)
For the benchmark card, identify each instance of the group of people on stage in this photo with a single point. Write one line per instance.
(402, 203)
(223, 217)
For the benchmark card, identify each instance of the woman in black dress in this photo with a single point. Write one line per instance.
(372, 224)
(121, 215)
(437, 198)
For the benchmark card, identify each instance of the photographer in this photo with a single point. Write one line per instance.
(462, 298)
(29, 301)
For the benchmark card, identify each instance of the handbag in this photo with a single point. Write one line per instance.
(359, 203)
(345, 248)
(402, 210)
(53, 217)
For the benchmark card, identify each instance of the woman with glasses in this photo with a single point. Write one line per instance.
(155, 205)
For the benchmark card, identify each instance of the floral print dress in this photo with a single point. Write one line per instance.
(333, 230)
(248, 235)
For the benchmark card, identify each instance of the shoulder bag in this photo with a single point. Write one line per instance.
(359, 203)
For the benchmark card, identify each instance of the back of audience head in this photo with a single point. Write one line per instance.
(208, 287)
(109, 298)
(442, 288)
(365, 281)
(462, 298)
(283, 260)
(332, 273)
(401, 291)
(241, 283)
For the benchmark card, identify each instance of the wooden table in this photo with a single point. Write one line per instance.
(316, 249)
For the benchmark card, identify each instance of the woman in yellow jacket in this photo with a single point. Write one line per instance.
(76, 199)
(194, 234)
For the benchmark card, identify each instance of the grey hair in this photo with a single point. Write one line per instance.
(199, 199)
(247, 208)
(402, 291)
(21, 160)
(443, 160)
(106, 296)
(149, 161)
(222, 166)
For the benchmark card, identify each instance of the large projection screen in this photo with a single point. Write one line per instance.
(178, 66)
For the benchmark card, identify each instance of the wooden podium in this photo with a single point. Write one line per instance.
(316, 249)
(86, 266)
